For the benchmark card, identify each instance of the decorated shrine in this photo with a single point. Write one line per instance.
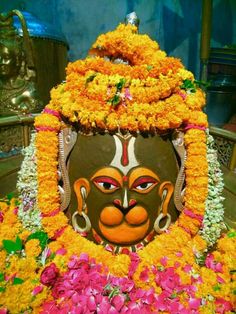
(120, 207)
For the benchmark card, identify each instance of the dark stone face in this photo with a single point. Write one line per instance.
(124, 178)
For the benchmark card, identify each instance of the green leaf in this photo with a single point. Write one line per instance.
(51, 257)
(41, 236)
(121, 84)
(90, 78)
(234, 292)
(114, 292)
(149, 67)
(10, 196)
(11, 246)
(216, 288)
(204, 84)
(200, 260)
(2, 277)
(17, 281)
(231, 234)
(108, 287)
(115, 100)
(2, 289)
(189, 86)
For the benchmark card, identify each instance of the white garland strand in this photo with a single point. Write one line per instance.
(27, 186)
(214, 215)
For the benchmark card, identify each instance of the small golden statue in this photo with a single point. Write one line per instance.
(18, 93)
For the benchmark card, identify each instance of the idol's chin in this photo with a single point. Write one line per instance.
(124, 234)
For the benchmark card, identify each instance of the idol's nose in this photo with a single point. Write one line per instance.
(123, 207)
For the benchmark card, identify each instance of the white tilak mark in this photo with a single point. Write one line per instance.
(125, 200)
(116, 162)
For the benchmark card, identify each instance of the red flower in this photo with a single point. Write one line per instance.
(49, 275)
(223, 306)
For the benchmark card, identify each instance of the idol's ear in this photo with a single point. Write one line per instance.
(166, 190)
(82, 189)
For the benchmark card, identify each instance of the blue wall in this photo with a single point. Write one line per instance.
(175, 24)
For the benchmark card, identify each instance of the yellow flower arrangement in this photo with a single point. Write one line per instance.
(147, 94)
(84, 98)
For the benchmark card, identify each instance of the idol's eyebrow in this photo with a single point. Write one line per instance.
(109, 172)
(141, 172)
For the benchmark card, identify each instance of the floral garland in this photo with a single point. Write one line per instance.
(50, 276)
(50, 268)
(149, 93)
(214, 214)
(27, 186)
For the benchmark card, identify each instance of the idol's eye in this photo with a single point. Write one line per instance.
(144, 184)
(106, 184)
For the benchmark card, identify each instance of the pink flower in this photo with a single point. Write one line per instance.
(162, 303)
(220, 280)
(134, 263)
(194, 303)
(15, 210)
(187, 268)
(127, 94)
(37, 290)
(149, 297)
(179, 254)
(84, 258)
(49, 308)
(60, 290)
(144, 275)
(182, 95)
(223, 306)
(104, 306)
(61, 251)
(78, 263)
(118, 301)
(163, 261)
(169, 280)
(49, 275)
(210, 263)
(91, 303)
(3, 311)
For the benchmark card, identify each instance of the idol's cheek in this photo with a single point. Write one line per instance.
(111, 216)
(124, 229)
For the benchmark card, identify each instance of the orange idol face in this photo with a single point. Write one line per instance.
(123, 183)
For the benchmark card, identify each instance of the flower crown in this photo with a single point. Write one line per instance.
(127, 83)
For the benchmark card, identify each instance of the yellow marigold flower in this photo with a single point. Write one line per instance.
(3, 256)
(199, 243)
(32, 248)
(24, 234)
(54, 246)
(3, 207)
(185, 74)
(54, 223)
